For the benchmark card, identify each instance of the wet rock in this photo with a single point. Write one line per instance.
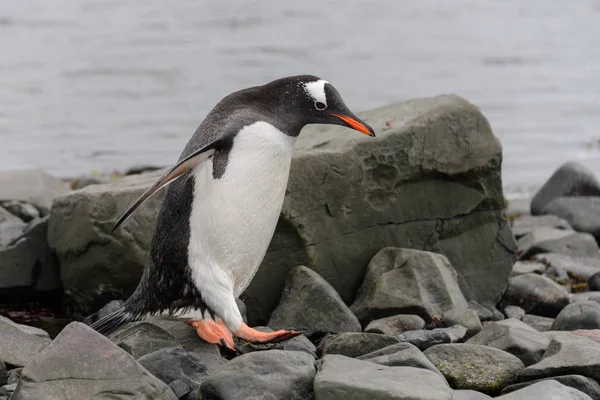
(141, 338)
(179, 388)
(275, 374)
(3, 374)
(536, 294)
(514, 312)
(18, 347)
(582, 315)
(566, 267)
(407, 281)
(32, 330)
(27, 262)
(80, 363)
(540, 324)
(583, 213)
(426, 338)
(108, 309)
(594, 282)
(343, 378)
(567, 354)
(581, 383)
(528, 267)
(571, 179)
(308, 301)
(475, 367)
(354, 344)
(25, 211)
(396, 324)
(528, 223)
(298, 343)
(549, 389)
(514, 337)
(400, 355)
(175, 364)
(465, 317)
(551, 240)
(32, 186)
(185, 335)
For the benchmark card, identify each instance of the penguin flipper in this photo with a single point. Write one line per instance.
(174, 173)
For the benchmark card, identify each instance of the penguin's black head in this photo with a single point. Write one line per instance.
(307, 99)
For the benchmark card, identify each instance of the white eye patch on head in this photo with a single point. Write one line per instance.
(316, 90)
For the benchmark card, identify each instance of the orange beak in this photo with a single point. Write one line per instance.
(357, 125)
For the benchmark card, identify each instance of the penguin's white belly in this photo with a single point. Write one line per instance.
(233, 218)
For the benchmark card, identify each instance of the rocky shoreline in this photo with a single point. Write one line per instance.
(411, 275)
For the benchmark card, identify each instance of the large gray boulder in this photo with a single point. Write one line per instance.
(32, 186)
(431, 180)
(18, 345)
(570, 180)
(82, 364)
(583, 213)
(403, 281)
(581, 383)
(536, 294)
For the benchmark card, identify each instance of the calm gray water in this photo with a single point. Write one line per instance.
(91, 84)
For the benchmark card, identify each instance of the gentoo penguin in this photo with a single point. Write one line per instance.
(222, 204)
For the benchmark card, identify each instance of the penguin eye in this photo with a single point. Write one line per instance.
(320, 106)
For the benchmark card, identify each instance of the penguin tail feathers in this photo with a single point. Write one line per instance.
(114, 321)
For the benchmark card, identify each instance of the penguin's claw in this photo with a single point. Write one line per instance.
(213, 332)
(254, 336)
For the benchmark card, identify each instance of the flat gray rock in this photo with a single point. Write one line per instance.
(396, 324)
(570, 179)
(540, 324)
(32, 330)
(32, 186)
(580, 315)
(141, 338)
(567, 354)
(408, 281)
(175, 364)
(355, 344)
(82, 364)
(273, 374)
(581, 383)
(582, 297)
(465, 317)
(343, 378)
(546, 390)
(551, 240)
(475, 367)
(536, 294)
(400, 355)
(582, 212)
(424, 339)
(469, 395)
(514, 337)
(525, 224)
(308, 301)
(18, 347)
(564, 267)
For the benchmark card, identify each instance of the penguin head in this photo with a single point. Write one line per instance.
(307, 99)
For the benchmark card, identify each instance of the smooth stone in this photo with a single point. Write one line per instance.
(273, 374)
(580, 315)
(551, 240)
(32, 330)
(308, 301)
(82, 364)
(400, 355)
(298, 343)
(32, 186)
(567, 354)
(424, 339)
(179, 388)
(515, 312)
(570, 179)
(594, 282)
(141, 338)
(406, 281)
(540, 324)
(546, 390)
(396, 324)
(18, 347)
(352, 344)
(585, 296)
(528, 223)
(343, 378)
(25, 211)
(583, 213)
(175, 364)
(565, 267)
(469, 395)
(514, 337)
(579, 382)
(536, 294)
(475, 367)
(465, 317)
(528, 267)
